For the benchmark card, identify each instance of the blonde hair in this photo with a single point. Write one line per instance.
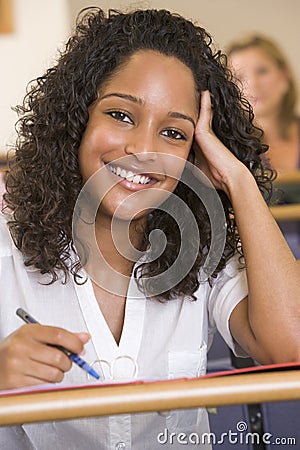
(288, 106)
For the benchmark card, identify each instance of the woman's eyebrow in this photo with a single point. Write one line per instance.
(132, 98)
(178, 115)
(129, 97)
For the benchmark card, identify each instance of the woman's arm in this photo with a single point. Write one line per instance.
(267, 323)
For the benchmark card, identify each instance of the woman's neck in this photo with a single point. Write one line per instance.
(108, 250)
(119, 243)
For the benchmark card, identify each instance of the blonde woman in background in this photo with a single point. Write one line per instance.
(268, 84)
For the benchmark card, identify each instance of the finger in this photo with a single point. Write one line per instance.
(50, 356)
(42, 373)
(84, 337)
(24, 382)
(17, 381)
(58, 336)
(205, 117)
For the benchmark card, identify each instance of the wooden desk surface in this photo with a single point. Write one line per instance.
(157, 396)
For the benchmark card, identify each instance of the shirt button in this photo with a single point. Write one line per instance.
(120, 445)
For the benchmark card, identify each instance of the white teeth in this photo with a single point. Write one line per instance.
(136, 178)
(130, 176)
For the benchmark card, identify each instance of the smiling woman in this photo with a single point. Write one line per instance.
(135, 116)
(137, 175)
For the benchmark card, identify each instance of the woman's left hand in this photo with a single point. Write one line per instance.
(211, 155)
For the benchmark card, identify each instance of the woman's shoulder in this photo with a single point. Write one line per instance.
(5, 237)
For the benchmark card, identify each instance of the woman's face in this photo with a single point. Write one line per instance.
(264, 84)
(143, 120)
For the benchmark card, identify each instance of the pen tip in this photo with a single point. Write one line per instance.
(94, 374)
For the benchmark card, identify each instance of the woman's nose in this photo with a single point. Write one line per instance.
(143, 145)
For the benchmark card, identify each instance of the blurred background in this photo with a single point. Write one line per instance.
(37, 29)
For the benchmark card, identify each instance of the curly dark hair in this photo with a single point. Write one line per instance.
(44, 180)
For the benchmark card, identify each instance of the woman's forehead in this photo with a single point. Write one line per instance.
(154, 74)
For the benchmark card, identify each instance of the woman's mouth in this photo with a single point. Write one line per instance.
(129, 179)
(128, 175)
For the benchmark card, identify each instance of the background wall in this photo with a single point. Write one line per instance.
(42, 26)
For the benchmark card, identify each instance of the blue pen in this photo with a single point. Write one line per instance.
(73, 357)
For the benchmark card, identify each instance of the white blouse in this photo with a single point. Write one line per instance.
(165, 340)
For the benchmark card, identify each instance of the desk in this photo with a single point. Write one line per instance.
(144, 397)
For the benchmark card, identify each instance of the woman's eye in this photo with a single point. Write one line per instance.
(174, 134)
(120, 116)
(262, 70)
